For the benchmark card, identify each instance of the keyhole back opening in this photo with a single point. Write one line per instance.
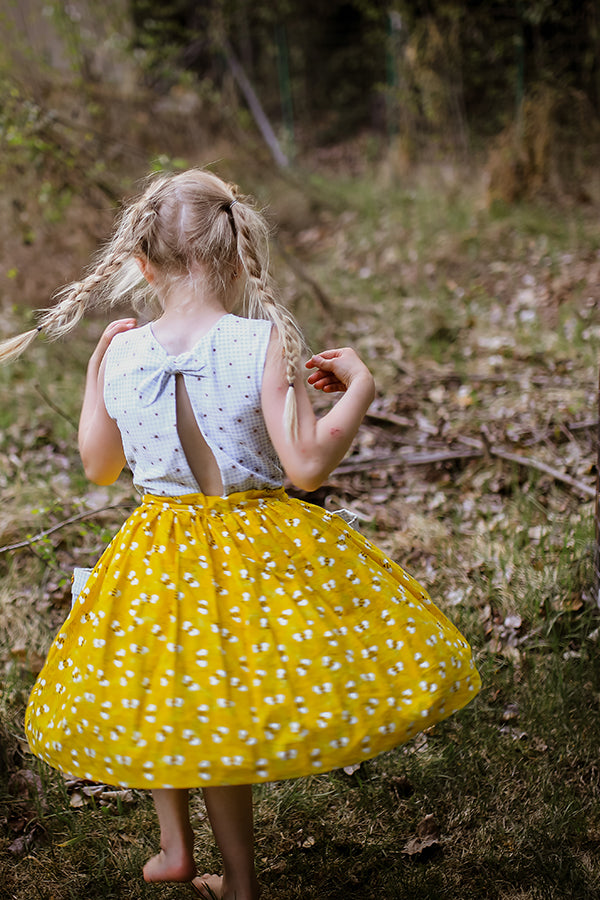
(199, 456)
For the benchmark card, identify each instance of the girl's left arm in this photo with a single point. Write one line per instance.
(100, 444)
(320, 444)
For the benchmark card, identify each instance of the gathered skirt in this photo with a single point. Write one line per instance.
(223, 641)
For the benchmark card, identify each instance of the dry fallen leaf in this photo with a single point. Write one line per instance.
(124, 796)
(93, 790)
(419, 846)
(277, 867)
(306, 844)
(427, 839)
(510, 711)
(81, 790)
(22, 844)
(514, 733)
(418, 744)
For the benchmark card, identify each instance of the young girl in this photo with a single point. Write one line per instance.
(229, 635)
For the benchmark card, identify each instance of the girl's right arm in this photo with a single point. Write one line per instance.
(100, 444)
(321, 444)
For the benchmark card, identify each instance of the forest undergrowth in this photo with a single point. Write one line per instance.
(475, 469)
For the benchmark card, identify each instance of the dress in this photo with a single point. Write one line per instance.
(236, 639)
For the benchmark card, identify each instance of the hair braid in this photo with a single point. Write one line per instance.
(116, 264)
(73, 301)
(77, 298)
(262, 299)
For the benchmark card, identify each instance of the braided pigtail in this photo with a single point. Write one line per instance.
(262, 300)
(113, 277)
(13, 347)
(75, 299)
(59, 320)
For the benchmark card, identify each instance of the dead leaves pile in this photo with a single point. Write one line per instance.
(29, 804)
(90, 793)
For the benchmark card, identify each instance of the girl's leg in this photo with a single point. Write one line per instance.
(230, 813)
(175, 862)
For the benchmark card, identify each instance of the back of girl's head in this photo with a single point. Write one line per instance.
(188, 226)
(186, 221)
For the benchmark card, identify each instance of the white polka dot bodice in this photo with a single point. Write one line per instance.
(223, 378)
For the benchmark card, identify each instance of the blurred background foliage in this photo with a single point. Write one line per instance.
(453, 71)
(443, 59)
(93, 94)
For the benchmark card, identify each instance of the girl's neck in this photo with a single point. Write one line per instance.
(186, 317)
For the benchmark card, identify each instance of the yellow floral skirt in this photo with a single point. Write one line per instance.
(242, 639)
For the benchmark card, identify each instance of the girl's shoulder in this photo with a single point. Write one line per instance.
(244, 324)
(237, 330)
(128, 348)
(127, 340)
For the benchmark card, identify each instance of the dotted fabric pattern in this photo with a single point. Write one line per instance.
(223, 377)
(238, 640)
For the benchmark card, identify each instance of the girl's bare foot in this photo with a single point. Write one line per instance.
(175, 862)
(170, 866)
(214, 887)
(209, 887)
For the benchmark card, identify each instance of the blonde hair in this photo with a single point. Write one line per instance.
(178, 222)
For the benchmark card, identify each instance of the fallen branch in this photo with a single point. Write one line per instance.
(567, 429)
(583, 426)
(389, 419)
(540, 466)
(42, 534)
(490, 450)
(408, 459)
(478, 451)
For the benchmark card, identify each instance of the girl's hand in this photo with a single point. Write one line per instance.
(107, 335)
(336, 370)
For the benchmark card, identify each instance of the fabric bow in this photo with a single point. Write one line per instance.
(154, 384)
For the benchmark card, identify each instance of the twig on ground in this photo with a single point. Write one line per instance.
(53, 406)
(528, 462)
(556, 474)
(409, 459)
(42, 534)
(389, 419)
(583, 426)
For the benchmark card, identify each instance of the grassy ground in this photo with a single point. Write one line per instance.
(482, 330)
